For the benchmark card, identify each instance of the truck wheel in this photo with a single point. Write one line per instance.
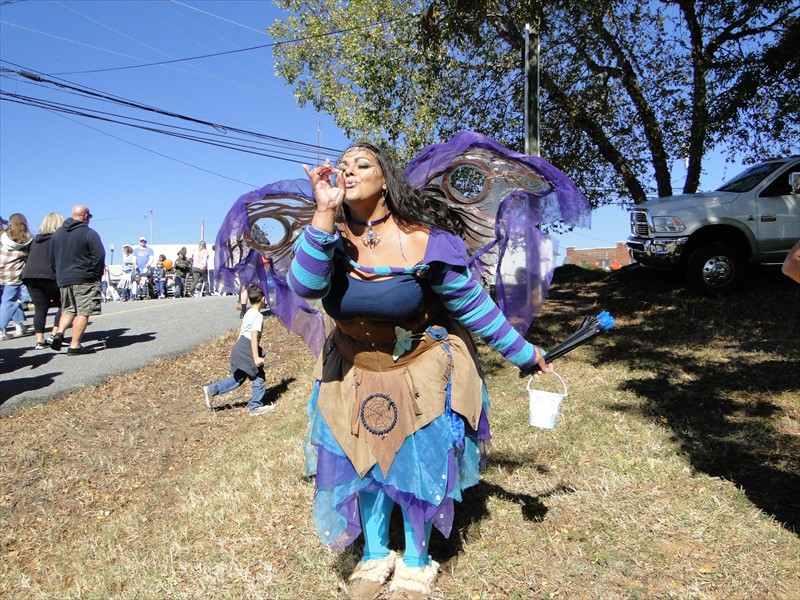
(715, 269)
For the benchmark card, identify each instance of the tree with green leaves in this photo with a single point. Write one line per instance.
(628, 86)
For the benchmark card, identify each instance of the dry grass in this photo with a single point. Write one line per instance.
(674, 471)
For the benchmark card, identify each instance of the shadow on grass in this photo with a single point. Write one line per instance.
(469, 514)
(270, 396)
(708, 378)
(472, 511)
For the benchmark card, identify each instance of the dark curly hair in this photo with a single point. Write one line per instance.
(410, 206)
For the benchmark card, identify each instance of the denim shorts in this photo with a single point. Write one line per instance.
(84, 299)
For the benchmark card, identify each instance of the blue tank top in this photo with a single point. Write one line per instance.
(396, 298)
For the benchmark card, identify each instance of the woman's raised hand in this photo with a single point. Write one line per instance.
(329, 197)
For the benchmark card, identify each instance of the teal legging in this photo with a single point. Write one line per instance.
(376, 511)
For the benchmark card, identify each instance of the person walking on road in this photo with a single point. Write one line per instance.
(15, 244)
(40, 279)
(78, 257)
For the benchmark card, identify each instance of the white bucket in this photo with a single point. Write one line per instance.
(544, 406)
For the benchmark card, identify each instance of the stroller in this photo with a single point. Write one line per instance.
(144, 286)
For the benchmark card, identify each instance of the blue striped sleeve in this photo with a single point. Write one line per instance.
(312, 264)
(469, 303)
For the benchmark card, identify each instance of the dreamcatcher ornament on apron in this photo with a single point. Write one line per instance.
(383, 413)
(378, 413)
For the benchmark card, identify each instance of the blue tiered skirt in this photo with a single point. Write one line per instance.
(430, 470)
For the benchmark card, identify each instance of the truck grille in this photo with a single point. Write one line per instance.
(639, 224)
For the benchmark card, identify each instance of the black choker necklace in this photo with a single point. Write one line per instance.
(371, 239)
(370, 223)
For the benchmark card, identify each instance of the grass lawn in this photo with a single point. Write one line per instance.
(673, 472)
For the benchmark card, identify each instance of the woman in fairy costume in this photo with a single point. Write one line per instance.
(399, 409)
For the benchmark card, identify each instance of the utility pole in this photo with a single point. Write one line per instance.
(319, 141)
(531, 90)
(531, 117)
(150, 217)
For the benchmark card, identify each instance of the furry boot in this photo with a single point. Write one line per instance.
(413, 583)
(370, 576)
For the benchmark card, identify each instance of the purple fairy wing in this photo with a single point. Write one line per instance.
(254, 244)
(504, 197)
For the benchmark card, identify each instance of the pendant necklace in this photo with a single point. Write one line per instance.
(371, 239)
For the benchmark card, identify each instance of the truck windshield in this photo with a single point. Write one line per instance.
(746, 181)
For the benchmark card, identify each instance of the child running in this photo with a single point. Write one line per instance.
(246, 358)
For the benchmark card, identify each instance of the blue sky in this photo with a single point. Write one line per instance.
(50, 161)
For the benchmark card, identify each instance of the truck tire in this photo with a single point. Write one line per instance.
(715, 269)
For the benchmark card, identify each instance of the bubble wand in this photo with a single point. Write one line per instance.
(589, 328)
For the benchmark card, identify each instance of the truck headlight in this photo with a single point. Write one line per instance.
(668, 225)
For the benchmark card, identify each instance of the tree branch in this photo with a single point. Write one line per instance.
(589, 125)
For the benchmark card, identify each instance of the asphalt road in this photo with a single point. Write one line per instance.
(127, 336)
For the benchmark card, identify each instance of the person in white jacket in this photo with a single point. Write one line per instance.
(15, 244)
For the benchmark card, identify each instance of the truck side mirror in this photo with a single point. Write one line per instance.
(794, 182)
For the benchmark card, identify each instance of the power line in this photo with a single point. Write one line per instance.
(218, 17)
(167, 62)
(63, 39)
(103, 96)
(220, 136)
(210, 138)
(161, 154)
(202, 56)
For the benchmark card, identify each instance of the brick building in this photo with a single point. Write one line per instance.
(602, 257)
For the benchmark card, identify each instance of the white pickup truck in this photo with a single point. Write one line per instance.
(754, 219)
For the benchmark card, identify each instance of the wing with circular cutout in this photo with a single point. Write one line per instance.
(504, 197)
(254, 244)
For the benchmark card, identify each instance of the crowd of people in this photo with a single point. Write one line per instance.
(63, 267)
(146, 276)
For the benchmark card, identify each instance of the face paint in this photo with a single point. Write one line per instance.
(363, 178)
